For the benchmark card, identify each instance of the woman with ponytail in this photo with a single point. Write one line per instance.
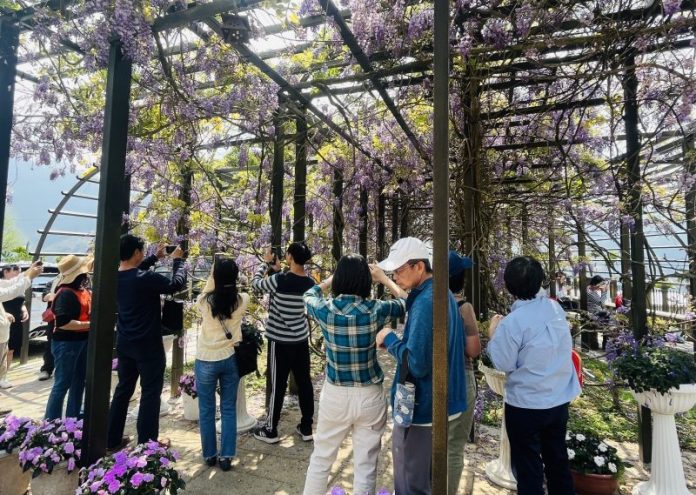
(222, 308)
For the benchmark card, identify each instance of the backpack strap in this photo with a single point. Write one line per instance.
(405, 373)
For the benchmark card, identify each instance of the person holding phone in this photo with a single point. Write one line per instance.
(352, 398)
(222, 308)
(287, 332)
(139, 345)
(17, 312)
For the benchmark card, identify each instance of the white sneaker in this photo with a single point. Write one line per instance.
(5, 384)
(44, 375)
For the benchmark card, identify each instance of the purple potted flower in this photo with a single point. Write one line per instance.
(145, 469)
(189, 396)
(52, 448)
(13, 431)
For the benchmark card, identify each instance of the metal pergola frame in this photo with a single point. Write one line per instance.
(297, 104)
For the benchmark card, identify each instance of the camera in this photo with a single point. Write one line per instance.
(170, 248)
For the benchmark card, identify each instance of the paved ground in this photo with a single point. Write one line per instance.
(280, 469)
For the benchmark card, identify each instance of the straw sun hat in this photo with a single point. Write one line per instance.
(70, 267)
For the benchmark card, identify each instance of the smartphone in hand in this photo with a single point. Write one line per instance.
(169, 249)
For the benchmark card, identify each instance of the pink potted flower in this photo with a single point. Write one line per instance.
(13, 431)
(53, 448)
(145, 469)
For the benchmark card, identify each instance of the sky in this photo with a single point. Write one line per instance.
(33, 194)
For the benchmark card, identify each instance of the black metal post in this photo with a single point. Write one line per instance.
(109, 214)
(440, 242)
(363, 226)
(9, 42)
(582, 274)
(394, 200)
(277, 172)
(625, 243)
(404, 203)
(299, 200)
(338, 224)
(552, 258)
(183, 227)
(381, 231)
(690, 164)
(639, 313)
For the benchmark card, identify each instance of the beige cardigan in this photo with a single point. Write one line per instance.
(213, 345)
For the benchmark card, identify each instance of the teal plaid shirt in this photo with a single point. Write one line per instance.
(349, 325)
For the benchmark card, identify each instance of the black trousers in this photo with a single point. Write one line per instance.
(48, 362)
(148, 363)
(538, 447)
(282, 359)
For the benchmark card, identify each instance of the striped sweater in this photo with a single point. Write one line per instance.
(286, 312)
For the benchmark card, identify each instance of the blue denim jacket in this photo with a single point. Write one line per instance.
(418, 339)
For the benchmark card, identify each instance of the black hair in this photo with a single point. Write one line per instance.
(523, 277)
(597, 279)
(426, 264)
(224, 298)
(300, 252)
(352, 277)
(129, 244)
(80, 282)
(9, 268)
(456, 282)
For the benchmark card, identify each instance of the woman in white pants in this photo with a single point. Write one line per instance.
(352, 399)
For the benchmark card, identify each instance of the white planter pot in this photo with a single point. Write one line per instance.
(59, 482)
(666, 470)
(13, 481)
(190, 407)
(245, 422)
(499, 470)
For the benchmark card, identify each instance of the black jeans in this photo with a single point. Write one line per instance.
(538, 446)
(148, 362)
(283, 358)
(48, 361)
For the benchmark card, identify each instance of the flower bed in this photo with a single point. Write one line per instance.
(588, 454)
(145, 469)
(50, 443)
(13, 432)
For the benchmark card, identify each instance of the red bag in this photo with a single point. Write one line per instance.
(577, 363)
(48, 316)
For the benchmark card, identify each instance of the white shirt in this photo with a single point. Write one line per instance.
(9, 289)
(533, 346)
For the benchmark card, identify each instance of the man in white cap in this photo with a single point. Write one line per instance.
(410, 263)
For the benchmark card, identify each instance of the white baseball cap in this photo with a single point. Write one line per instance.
(404, 250)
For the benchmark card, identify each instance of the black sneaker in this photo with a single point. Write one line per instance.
(265, 434)
(305, 433)
(211, 461)
(225, 463)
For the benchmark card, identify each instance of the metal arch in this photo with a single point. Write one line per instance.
(67, 196)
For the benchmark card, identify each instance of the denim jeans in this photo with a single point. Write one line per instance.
(69, 378)
(208, 374)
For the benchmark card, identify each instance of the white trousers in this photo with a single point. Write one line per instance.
(360, 410)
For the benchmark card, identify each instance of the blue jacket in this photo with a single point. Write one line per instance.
(418, 339)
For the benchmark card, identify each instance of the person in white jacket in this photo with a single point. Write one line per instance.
(10, 289)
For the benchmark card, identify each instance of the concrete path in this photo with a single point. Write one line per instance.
(280, 469)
